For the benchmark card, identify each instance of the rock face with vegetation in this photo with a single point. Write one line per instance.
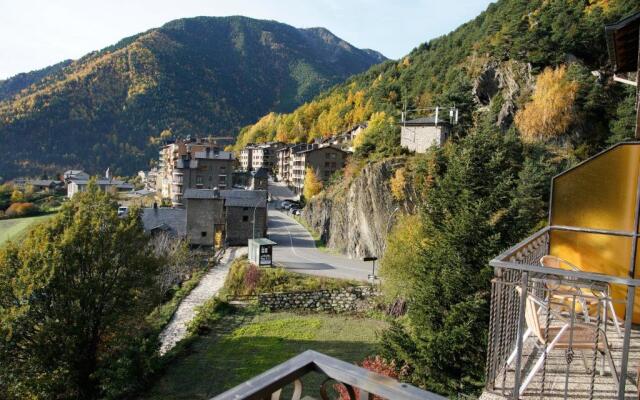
(197, 76)
(355, 217)
(532, 82)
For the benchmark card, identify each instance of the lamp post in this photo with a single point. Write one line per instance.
(254, 218)
(372, 276)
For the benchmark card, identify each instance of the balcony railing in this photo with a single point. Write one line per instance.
(358, 382)
(559, 332)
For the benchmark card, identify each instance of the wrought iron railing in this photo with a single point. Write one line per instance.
(358, 382)
(543, 320)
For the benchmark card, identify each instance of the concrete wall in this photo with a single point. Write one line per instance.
(204, 218)
(351, 299)
(240, 224)
(420, 138)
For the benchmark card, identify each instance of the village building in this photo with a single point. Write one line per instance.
(325, 160)
(256, 156)
(192, 164)
(422, 133)
(212, 217)
(110, 185)
(75, 174)
(345, 139)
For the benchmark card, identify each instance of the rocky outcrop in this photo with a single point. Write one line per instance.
(356, 218)
(506, 79)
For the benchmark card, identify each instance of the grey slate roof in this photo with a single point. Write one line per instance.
(173, 220)
(43, 182)
(322, 148)
(431, 120)
(244, 198)
(260, 173)
(232, 197)
(201, 194)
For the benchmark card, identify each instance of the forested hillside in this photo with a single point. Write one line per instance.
(196, 76)
(532, 81)
(512, 37)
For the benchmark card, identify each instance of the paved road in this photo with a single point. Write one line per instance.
(296, 248)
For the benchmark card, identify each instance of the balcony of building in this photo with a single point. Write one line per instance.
(288, 377)
(564, 302)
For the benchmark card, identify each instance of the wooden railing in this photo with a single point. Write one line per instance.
(354, 379)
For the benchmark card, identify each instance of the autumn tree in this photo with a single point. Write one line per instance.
(550, 112)
(312, 185)
(72, 299)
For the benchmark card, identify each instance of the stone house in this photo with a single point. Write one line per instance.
(205, 216)
(246, 215)
(231, 216)
(420, 134)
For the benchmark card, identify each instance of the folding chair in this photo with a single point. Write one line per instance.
(584, 336)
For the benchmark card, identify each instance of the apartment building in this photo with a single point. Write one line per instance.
(256, 156)
(192, 164)
(294, 161)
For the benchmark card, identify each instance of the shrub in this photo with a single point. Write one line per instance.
(247, 279)
(207, 315)
(375, 364)
(21, 210)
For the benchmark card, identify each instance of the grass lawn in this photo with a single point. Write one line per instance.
(247, 345)
(15, 228)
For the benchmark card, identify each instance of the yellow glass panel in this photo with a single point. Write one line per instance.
(604, 254)
(601, 193)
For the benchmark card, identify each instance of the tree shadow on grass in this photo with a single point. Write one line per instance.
(217, 364)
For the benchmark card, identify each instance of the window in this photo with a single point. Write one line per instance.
(245, 218)
(203, 234)
(245, 208)
(198, 180)
(222, 178)
(223, 168)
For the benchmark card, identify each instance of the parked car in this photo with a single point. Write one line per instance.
(122, 210)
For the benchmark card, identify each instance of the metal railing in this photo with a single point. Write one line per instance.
(358, 382)
(544, 319)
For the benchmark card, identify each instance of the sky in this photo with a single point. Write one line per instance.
(38, 33)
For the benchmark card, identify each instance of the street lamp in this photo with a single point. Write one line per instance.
(372, 276)
(254, 217)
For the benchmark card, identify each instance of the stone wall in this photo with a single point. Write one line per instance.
(351, 299)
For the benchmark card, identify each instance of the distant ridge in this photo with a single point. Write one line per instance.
(192, 76)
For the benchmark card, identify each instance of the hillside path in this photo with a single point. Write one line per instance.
(208, 287)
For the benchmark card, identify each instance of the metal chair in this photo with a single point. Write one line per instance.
(586, 296)
(577, 336)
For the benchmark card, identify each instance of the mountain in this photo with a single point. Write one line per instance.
(14, 85)
(533, 85)
(194, 76)
(487, 64)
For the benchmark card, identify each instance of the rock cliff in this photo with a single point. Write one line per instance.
(354, 218)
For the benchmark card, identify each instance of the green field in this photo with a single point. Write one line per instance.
(14, 229)
(247, 345)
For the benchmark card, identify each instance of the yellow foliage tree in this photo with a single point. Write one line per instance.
(550, 111)
(17, 196)
(398, 183)
(403, 252)
(312, 185)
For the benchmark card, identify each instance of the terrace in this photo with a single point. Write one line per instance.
(563, 301)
